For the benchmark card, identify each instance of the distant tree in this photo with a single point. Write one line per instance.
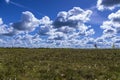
(113, 45)
(95, 45)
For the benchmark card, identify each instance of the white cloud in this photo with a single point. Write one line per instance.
(72, 23)
(115, 17)
(45, 21)
(4, 29)
(112, 26)
(45, 25)
(58, 36)
(90, 32)
(1, 22)
(69, 29)
(27, 23)
(45, 30)
(67, 25)
(66, 29)
(111, 30)
(107, 4)
(72, 18)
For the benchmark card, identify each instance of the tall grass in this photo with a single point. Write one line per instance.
(59, 64)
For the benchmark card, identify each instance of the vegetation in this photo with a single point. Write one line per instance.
(59, 64)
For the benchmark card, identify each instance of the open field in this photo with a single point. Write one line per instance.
(59, 64)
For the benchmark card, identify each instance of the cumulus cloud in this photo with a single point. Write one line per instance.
(115, 17)
(58, 36)
(72, 22)
(111, 30)
(107, 4)
(28, 22)
(68, 25)
(69, 29)
(90, 32)
(45, 21)
(72, 18)
(4, 29)
(112, 26)
(46, 25)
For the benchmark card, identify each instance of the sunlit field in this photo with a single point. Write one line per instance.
(59, 64)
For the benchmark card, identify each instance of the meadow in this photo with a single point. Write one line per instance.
(59, 64)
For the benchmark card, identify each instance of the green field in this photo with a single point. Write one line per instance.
(59, 64)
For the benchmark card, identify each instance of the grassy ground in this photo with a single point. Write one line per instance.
(59, 64)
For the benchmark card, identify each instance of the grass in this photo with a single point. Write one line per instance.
(59, 64)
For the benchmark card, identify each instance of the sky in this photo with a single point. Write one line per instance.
(60, 23)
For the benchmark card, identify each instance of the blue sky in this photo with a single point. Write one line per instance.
(44, 7)
(59, 23)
